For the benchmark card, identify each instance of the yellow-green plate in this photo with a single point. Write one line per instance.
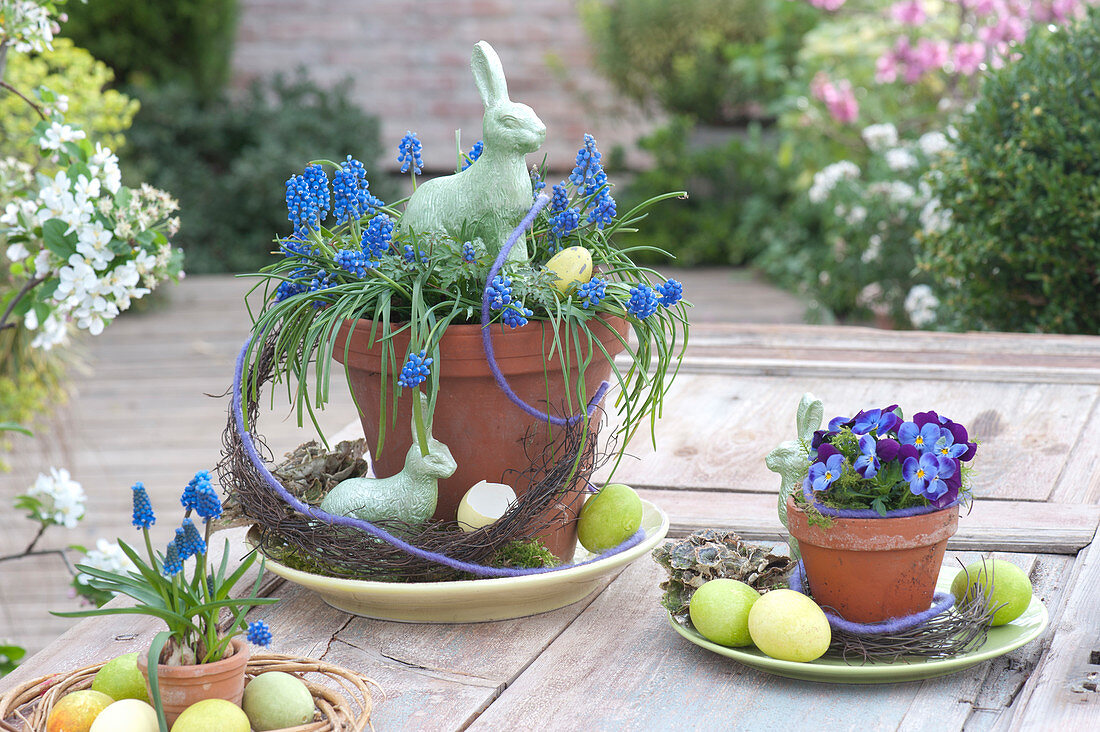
(473, 601)
(1001, 640)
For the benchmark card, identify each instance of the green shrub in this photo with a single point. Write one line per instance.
(718, 61)
(228, 161)
(183, 41)
(1022, 251)
(102, 113)
(734, 190)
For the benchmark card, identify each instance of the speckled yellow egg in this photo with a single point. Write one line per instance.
(571, 267)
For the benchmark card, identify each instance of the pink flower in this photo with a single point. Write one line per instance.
(1063, 10)
(928, 56)
(886, 68)
(908, 12)
(831, 5)
(839, 98)
(968, 57)
(1007, 29)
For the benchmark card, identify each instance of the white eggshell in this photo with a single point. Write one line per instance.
(126, 715)
(572, 267)
(483, 504)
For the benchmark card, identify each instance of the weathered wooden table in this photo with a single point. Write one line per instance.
(612, 662)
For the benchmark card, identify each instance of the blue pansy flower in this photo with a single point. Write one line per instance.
(823, 475)
(923, 438)
(928, 475)
(867, 464)
(874, 420)
(947, 447)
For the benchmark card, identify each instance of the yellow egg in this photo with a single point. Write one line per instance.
(483, 504)
(126, 715)
(571, 267)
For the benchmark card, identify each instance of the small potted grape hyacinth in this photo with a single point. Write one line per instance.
(201, 655)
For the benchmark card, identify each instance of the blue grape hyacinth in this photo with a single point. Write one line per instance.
(515, 316)
(143, 516)
(590, 293)
(258, 634)
(415, 371)
(409, 153)
(643, 301)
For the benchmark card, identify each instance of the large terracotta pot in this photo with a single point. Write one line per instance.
(483, 429)
(182, 686)
(873, 569)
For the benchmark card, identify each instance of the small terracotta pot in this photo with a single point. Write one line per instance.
(486, 433)
(874, 569)
(182, 686)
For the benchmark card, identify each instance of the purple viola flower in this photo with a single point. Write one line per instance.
(818, 438)
(907, 451)
(823, 475)
(887, 448)
(875, 420)
(928, 475)
(923, 418)
(825, 451)
(867, 464)
(836, 423)
(924, 437)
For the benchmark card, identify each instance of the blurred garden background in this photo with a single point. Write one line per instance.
(927, 164)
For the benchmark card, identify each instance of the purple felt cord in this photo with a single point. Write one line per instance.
(941, 603)
(307, 510)
(807, 493)
(487, 339)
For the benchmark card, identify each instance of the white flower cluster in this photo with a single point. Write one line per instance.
(96, 238)
(61, 497)
(900, 159)
(920, 305)
(826, 179)
(27, 25)
(109, 557)
(880, 138)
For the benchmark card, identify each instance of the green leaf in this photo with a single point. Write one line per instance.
(53, 233)
(13, 427)
(154, 682)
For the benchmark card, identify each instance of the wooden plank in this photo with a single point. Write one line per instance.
(621, 667)
(434, 676)
(991, 525)
(1080, 478)
(847, 343)
(1063, 692)
(717, 429)
(961, 700)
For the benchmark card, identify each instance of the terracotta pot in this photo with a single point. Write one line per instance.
(182, 686)
(873, 569)
(483, 429)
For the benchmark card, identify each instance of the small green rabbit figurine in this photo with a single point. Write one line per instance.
(408, 496)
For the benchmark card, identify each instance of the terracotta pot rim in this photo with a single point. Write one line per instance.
(238, 644)
(886, 533)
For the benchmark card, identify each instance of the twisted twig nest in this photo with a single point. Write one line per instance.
(342, 697)
(550, 482)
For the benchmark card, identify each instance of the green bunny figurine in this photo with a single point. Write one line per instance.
(488, 199)
(408, 496)
(790, 458)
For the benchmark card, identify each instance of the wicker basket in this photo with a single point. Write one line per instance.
(26, 707)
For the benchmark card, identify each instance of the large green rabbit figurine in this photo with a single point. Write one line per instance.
(488, 199)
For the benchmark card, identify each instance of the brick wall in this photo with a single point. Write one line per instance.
(409, 62)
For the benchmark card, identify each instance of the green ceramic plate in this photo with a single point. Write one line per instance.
(1000, 641)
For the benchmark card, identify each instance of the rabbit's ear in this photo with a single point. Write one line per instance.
(489, 75)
